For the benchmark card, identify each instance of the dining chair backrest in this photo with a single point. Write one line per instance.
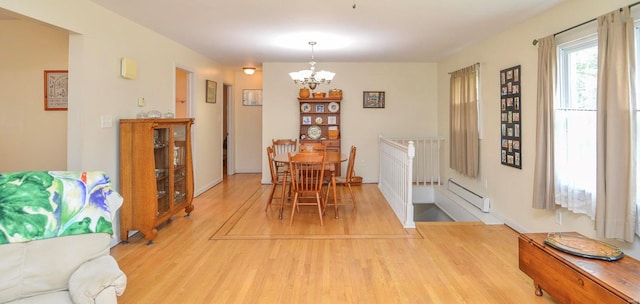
(283, 146)
(312, 147)
(307, 177)
(351, 164)
(272, 165)
(307, 172)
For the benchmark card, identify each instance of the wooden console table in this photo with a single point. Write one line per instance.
(573, 279)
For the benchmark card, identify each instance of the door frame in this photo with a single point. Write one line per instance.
(230, 109)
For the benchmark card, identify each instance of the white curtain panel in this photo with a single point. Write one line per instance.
(575, 162)
(463, 111)
(543, 180)
(616, 202)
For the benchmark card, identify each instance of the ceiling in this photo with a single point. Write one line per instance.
(249, 32)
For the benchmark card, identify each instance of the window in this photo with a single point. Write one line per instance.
(575, 120)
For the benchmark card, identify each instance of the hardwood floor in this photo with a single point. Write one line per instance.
(231, 251)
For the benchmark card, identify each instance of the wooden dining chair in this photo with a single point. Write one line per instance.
(278, 178)
(307, 177)
(284, 146)
(346, 180)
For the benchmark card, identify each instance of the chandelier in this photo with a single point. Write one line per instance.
(310, 77)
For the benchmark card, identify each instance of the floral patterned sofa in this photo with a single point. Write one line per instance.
(55, 234)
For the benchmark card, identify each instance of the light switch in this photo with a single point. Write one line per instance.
(141, 101)
(106, 121)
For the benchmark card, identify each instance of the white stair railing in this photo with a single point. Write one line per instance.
(399, 172)
(426, 163)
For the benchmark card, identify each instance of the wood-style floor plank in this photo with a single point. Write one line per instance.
(231, 251)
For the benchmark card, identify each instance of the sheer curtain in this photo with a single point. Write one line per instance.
(543, 179)
(616, 201)
(463, 121)
(575, 178)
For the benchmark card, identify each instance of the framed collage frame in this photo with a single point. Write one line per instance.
(510, 117)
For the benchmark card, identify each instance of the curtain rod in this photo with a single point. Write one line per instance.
(477, 64)
(535, 41)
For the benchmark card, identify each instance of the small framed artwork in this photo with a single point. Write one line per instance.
(373, 99)
(56, 90)
(212, 88)
(251, 97)
(332, 120)
(320, 108)
(306, 120)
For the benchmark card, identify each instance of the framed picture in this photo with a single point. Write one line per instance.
(252, 97)
(510, 117)
(373, 99)
(306, 120)
(212, 89)
(56, 90)
(332, 120)
(320, 108)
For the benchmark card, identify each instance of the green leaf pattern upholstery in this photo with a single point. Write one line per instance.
(46, 204)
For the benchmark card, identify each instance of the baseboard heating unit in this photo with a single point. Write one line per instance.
(480, 202)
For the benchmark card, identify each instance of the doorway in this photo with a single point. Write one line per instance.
(227, 131)
(182, 93)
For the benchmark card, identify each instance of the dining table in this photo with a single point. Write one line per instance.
(331, 159)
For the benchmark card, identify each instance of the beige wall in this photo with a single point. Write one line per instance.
(417, 100)
(510, 189)
(247, 125)
(410, 110)
(96, 90)
(30, 137)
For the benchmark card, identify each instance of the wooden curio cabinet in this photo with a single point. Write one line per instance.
(156, 173)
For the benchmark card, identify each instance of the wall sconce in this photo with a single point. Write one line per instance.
(249, 70)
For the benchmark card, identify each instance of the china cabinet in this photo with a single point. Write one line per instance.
(320, 122)
(156, 173)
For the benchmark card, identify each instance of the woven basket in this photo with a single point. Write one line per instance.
(356, 181)
(333, 134)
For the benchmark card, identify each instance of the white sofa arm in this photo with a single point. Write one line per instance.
(94, 277)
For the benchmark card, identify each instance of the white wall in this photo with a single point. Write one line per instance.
(410, 110)
(510, 189)
(31, 138)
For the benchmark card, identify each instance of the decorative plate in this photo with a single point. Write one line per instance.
(318, 120)
(314, 132)
(305, 107)
(584, 247)
(334, 107)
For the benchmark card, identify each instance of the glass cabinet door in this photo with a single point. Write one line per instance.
(179, 164)
(161, 156)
